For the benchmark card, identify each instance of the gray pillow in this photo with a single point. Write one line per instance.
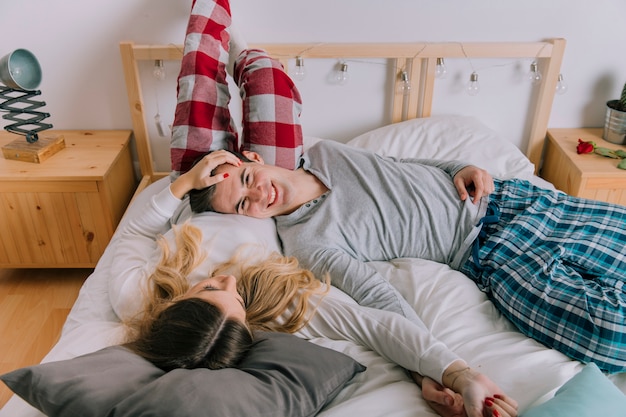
(282, 375)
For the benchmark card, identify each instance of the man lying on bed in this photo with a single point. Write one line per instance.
(534, 252)
(553, 264)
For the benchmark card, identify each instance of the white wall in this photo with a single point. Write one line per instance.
(76, 42)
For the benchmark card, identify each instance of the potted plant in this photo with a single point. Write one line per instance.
(615, 121)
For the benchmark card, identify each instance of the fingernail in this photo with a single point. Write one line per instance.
(495, 413)
(498, 396)
(226, 175)
(488, 402)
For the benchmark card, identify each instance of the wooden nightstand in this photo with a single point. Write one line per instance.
(62, 212)
(587, 175)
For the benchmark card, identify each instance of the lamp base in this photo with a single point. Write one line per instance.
(37, 152)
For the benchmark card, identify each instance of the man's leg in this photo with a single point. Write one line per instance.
(271, 109)
(556, 270)
(202, 120)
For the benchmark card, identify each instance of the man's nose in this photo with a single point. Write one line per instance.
(255, 194)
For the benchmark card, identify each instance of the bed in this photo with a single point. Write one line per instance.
(542, 380)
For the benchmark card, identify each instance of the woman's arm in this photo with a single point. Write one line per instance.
(411, 346)
(135, 253)
(394, 337)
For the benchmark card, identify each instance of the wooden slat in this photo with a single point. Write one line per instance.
(543, 107)
(398, 112)
(369, 50)
(135, 100)
(412, 50)
(427, 88)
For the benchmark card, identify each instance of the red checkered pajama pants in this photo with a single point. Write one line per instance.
(202, 122)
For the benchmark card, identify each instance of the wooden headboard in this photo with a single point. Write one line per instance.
(418, 59)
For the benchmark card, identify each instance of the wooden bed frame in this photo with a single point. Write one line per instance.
(419, 59)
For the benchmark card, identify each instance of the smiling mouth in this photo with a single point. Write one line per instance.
(272, 196)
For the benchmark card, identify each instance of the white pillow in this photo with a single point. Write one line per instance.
(227, 235)
(462, 138)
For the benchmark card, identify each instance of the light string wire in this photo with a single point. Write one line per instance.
(400, 69)
(396, 68)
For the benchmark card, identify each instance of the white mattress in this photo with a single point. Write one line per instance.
(449, 304)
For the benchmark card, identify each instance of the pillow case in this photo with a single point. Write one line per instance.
(462, 138)
(281, 375)
(588, 394)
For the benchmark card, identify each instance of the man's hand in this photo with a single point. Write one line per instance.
(442, 400)
(473, 182)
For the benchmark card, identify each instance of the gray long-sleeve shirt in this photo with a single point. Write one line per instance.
(378, 208)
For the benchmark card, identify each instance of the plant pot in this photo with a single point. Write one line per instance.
(614, 124)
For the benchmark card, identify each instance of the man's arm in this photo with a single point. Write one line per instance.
(469, 180)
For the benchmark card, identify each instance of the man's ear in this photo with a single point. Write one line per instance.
(253, 156)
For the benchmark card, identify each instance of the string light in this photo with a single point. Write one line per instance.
(159, 70)
(404, 87)
(299, 72)
(440, 69)
(534, 75)
(561, 85)
(342, 76)
(473, 87)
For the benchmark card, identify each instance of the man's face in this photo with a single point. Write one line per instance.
(255, 190)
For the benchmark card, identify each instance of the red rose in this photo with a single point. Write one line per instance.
(585, 147)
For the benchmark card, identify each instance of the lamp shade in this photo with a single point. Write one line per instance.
(20, 70)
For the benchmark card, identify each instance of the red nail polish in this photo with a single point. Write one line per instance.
(495, 413)
(488, 402)
(226, 175)
(498, 396)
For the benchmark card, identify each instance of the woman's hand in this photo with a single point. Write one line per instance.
(473, 181)
(200, 175)
(481, 397)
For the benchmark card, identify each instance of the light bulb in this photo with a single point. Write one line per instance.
(561, 85)
(342, 76)
(440, 69)
(299, 72)
(473, 87)
(159, 70)
(404, 86)
(534, 75)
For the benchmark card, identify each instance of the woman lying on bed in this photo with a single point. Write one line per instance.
(218, 314)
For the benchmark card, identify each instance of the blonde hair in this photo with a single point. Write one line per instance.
(275, 289)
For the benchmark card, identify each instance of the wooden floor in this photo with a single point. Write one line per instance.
(33, 306)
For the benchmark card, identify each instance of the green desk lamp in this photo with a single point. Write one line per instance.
(20, 73)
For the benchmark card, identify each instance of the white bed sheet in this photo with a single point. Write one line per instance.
(448, 302)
